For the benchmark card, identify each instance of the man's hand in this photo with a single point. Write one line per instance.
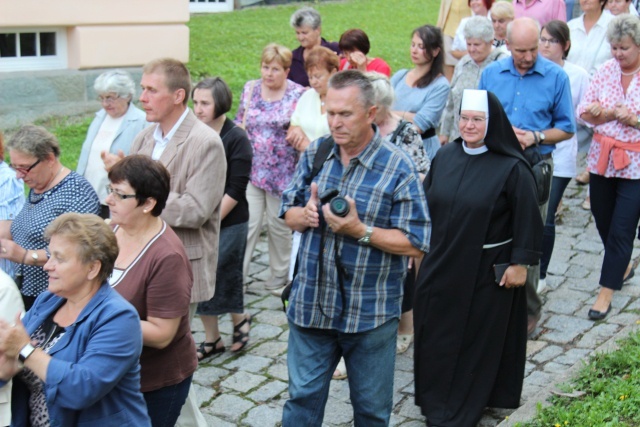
(595, 109)
(525, 137)
(297, 138)
(311, 215)
(111, 159)
(514, 276)
(350, 225)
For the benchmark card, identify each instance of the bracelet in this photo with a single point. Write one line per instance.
(606, 115)
(26, 252)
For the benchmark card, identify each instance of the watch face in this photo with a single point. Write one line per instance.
(34, 256)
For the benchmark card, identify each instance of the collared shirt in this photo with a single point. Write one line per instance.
(162, 141)
(388, 194)
(542, 11)
(536, 101)
(11, 202)
(589, 50)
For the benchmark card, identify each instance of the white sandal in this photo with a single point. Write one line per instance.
(403, 343)
(341, 371)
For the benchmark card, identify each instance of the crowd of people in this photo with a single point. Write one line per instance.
(409, 206)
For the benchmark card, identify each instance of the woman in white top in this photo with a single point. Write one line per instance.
(10, 306)
(111, 131)
(555, 44)
(309, 119)
(478, 8)
(589, 45)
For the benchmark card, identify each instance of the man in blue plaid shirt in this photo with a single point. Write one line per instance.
(346, 298)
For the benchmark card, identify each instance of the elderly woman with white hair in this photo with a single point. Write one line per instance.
(479, 35)
(308, 25)
(112, 130)
(612, 106)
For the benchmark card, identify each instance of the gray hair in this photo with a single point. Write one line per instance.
(382, 89)
(502, 10)
(35, 141)
(354, 78)
(116, 81)
(306, 17)
(522, 21)
(624, 25)
(479, 27)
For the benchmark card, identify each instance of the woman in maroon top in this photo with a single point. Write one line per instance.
(153, 273)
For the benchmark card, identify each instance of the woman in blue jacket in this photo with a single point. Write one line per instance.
(74, 358)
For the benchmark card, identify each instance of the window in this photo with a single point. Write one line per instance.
(32, 49)
(197, 6)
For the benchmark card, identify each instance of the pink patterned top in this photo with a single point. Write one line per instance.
(605, 87)
(274, 160)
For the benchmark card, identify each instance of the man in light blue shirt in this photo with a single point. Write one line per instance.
(536, 95)
(11, 202)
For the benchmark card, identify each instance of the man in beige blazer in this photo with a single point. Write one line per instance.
(193, 154)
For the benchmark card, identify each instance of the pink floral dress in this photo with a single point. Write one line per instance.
(605, 88)
(274, 160)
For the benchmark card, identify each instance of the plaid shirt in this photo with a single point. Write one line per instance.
(386, 187)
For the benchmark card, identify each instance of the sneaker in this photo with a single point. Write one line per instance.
(542, 284)
(275, 283)
(278, 292)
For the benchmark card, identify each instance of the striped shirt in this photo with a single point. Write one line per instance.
(11, 202)
(386, 187)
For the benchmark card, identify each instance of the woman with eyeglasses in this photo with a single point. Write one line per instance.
(111, 131)
(555, 44)
(153, 273)
(54, 190)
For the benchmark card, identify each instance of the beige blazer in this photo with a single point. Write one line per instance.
(196, 161)
(10, 305)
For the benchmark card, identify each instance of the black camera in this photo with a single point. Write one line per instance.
(339, 205)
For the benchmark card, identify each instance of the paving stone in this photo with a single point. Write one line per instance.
(562, 254)
(263, 416)
(534, 346)
(528, 368)
(577, 272)
(339, 390)
(586, 260)
(263, 331)
(558, 267)
(215, 421)
(338, 412)
(555, 368)
(598, 335)
(404, 362)
(250, 363)
(402, 379)
(409, 409)
(572, 356)
(209, 375)
(625, 318)
(412, 423)
(274, 316)
(243, 381)
(586, 285)
(229, 407)
(590, 246)
(565, 328)
(268, 391)
(270, 349)
(547, 354)
(562, 305)
(279, 370)
(203, 394)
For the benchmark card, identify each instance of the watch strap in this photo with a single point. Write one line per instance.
(26, 351)
(366, 239)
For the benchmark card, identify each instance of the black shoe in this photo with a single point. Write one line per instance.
(629, 276)
(599, 315)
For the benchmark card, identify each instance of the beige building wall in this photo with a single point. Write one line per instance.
(107, 33)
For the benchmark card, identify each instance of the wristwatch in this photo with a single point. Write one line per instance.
(542, 137)
(26, 351)
(366, 239)
(34, 257)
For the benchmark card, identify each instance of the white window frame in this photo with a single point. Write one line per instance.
(59, 61)
(210, 6)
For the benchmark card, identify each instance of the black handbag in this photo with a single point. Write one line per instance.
(541, 173)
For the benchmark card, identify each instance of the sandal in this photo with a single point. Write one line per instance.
(239, 336)
(341, 371)
(214, 349)
(403, 343)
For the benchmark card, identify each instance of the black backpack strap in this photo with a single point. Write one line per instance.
(324, 149)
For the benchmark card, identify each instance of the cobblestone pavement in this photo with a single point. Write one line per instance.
(250, 389)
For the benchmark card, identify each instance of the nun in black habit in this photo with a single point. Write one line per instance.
(471, 323)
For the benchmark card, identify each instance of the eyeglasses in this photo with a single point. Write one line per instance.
(475, 120)
(119, 196)
(549, 41)
(109, 99)
(26, 170)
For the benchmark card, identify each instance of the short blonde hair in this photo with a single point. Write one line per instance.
(502, 9)
(176, 75)
(275, 52)
(94, 239)
(322, 58)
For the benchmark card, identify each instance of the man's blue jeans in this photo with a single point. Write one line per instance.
(312, 357)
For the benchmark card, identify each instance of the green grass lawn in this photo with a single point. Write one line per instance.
(229, 45)
(611, 386)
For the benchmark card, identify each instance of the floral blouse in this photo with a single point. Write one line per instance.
(406, 137)
(274, 160)
(605, 88)
(465, 76)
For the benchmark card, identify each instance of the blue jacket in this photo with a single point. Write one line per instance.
(93, 378)
(134, 121)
